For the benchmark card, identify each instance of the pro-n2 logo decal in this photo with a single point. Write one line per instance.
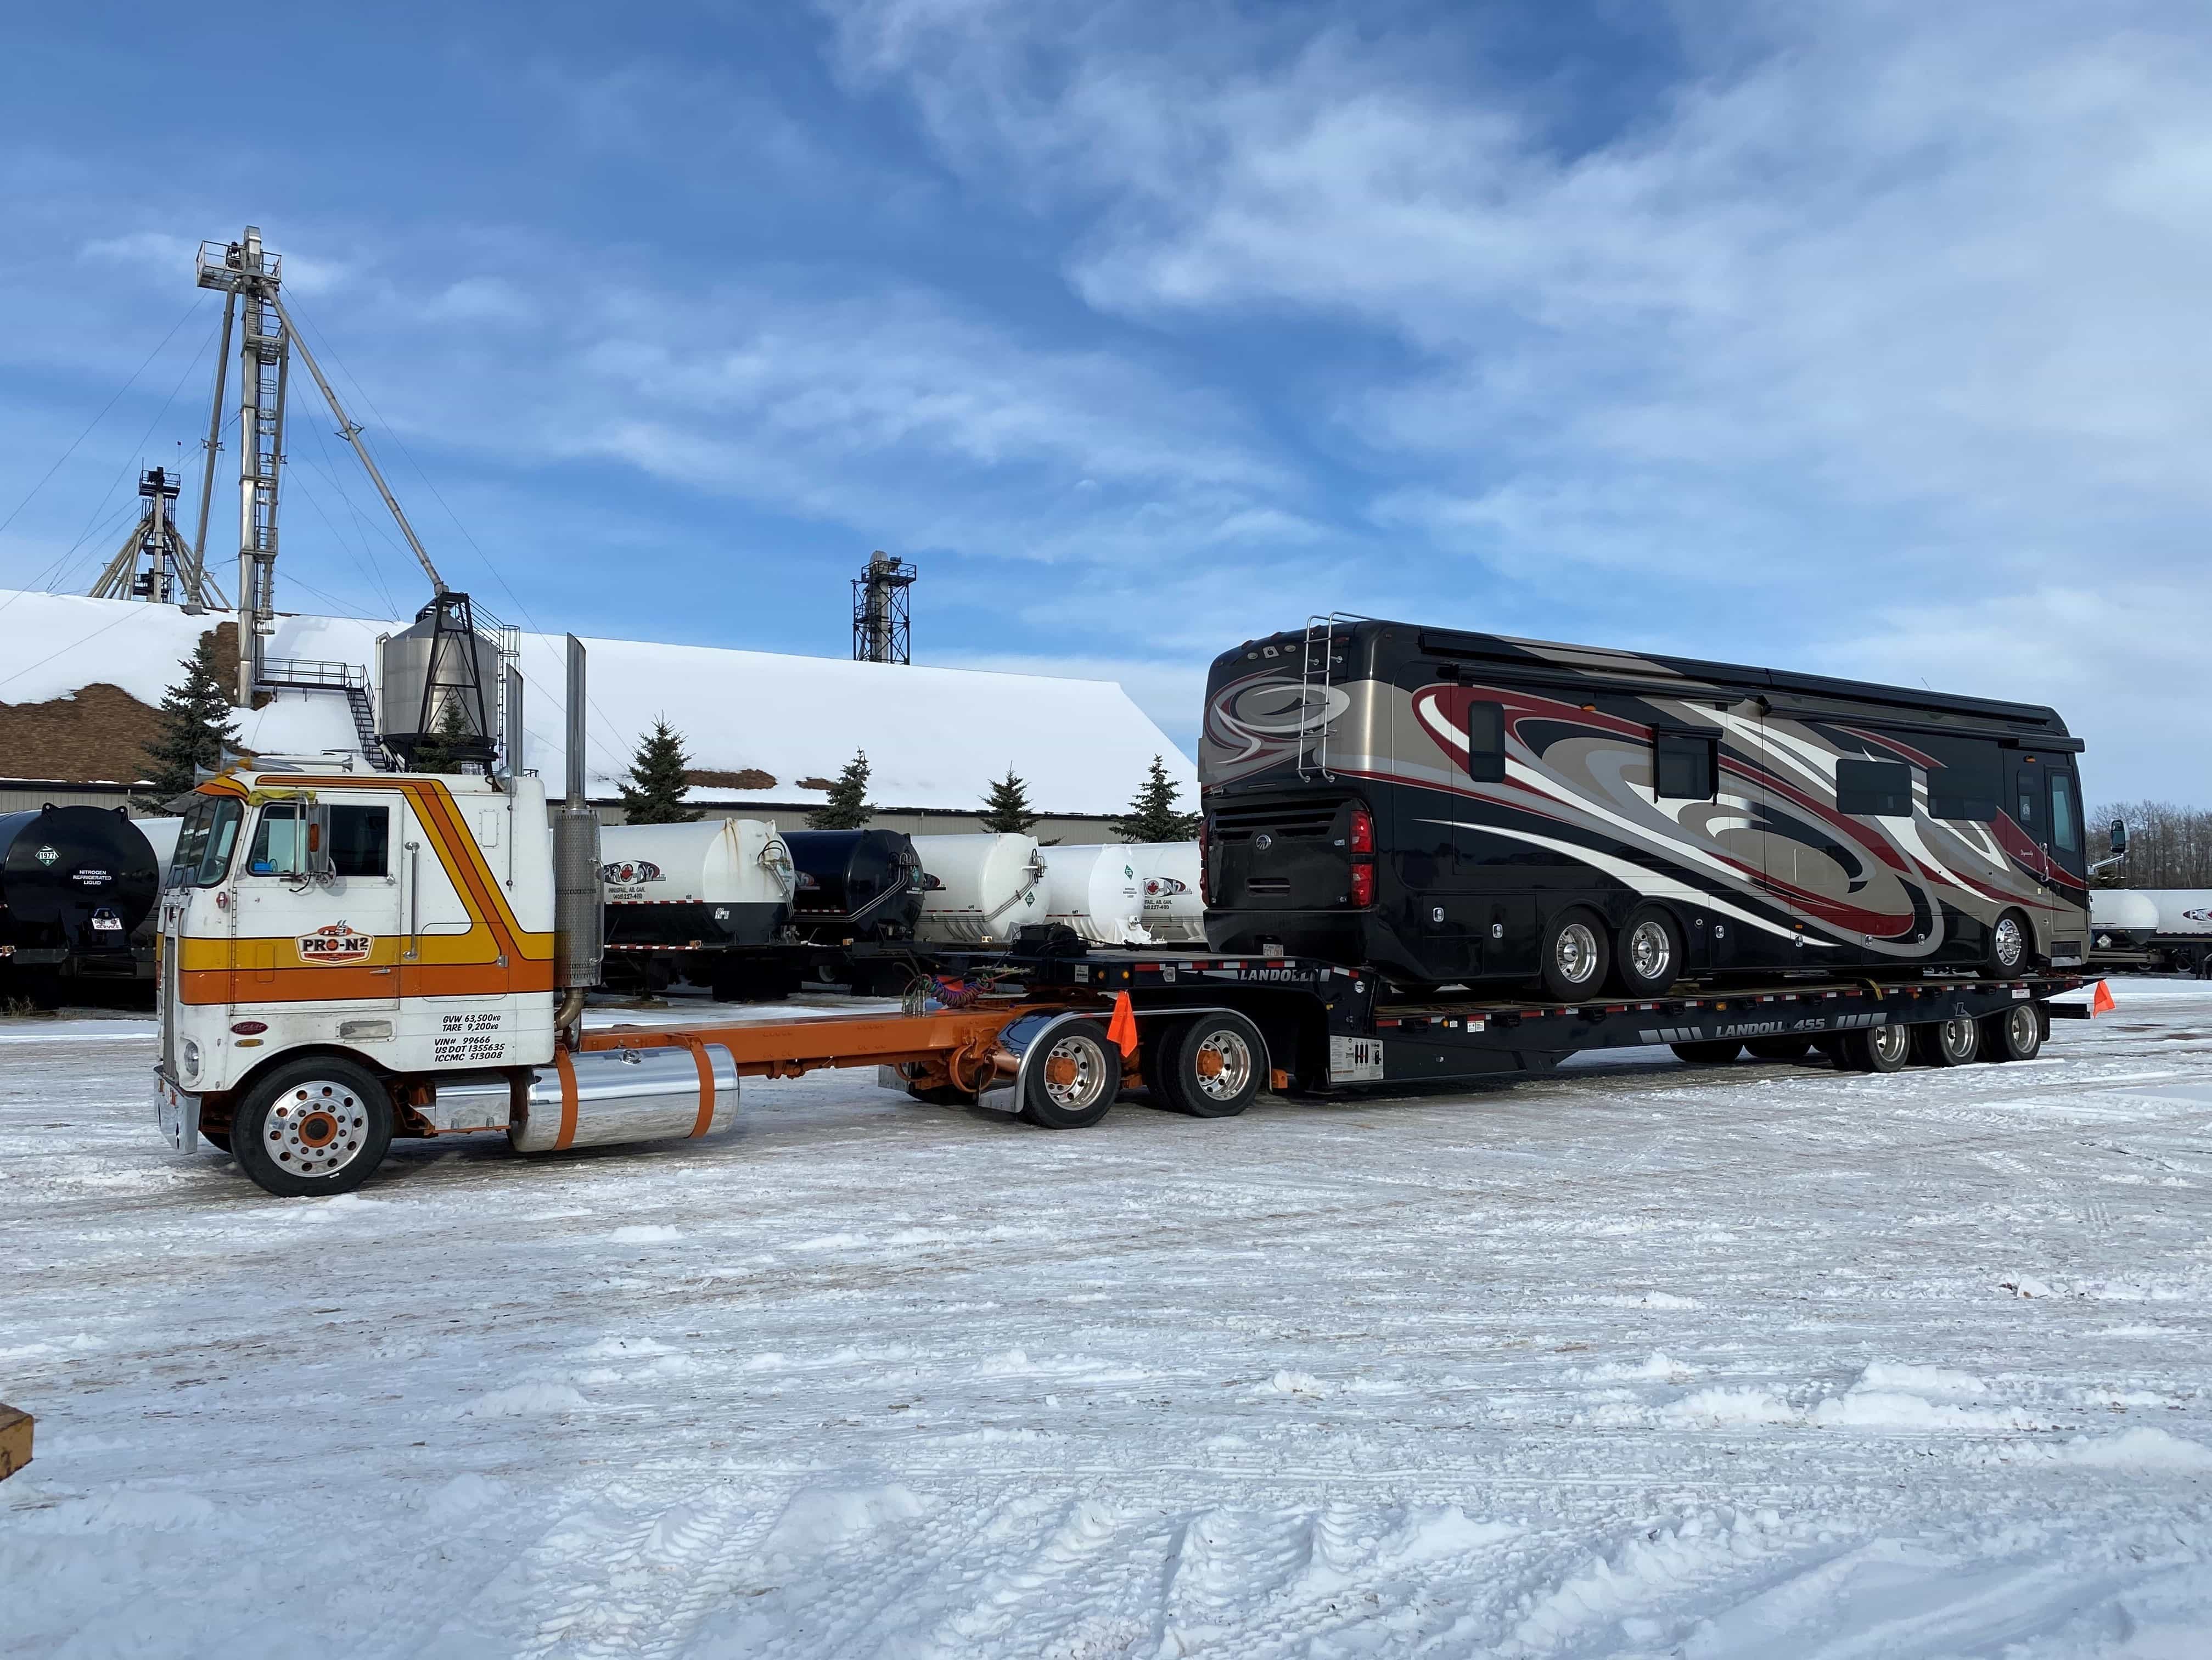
(335, 943)
(628, 872)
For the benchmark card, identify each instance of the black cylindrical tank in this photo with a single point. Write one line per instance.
(74, 882)
(855, 885)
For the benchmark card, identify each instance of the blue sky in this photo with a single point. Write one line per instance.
(1865, 338)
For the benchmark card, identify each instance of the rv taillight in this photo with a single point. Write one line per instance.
(1363, 830)
(1362, 884)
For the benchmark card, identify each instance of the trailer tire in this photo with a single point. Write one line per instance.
(1647, 958)
(2015, 1034)
(1157, 1037)
(1211, 1067)
(2012, 946)
(315, 1126)
(1072, 1084)
(1885, 1047)
(1708, 1052)
(1779, 1048)
(1576, 956)
(1950, 1043)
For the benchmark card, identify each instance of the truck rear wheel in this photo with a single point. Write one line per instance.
(1877, 1049)
(1710, 1052)
(2015, 1035)
(1574, 957)
(1947, 1043)
(1071, 1085)
(316, 1125)
(1211, 1067)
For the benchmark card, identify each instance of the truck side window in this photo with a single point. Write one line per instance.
(360, 840)
(2065, 832)
(1873, 790)
(1683, 766)
(279, 847)
(1485, 743)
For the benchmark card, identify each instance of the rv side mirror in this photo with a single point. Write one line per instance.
(318, 849)
(2119, 836)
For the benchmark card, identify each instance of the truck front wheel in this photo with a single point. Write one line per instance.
(315, 1126)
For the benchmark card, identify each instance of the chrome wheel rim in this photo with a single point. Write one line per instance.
(2021, 1020)
(1222, 1064)
(2011, 942)
(1575, 953)
(316, 1128)
(1650, 950)
(1890, 1041)
(1957, 1036)
(1074, 1074)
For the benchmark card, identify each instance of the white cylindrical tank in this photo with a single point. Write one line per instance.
(1095, 890)
(981, 889)
(717, 881)
(162, 834)
(2180, 910)
(1175, 909)
(2123, 909)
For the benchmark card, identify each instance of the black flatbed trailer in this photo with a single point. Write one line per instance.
(1328, 1026)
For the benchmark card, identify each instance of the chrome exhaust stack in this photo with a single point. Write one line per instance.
(579, 926)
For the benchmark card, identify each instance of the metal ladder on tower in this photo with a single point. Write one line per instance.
(322, 674)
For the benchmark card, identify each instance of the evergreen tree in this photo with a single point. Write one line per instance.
(196, 725)
(435, 753)
(1007, 806)
(654, 794)
(847, 806)
(1152, 815)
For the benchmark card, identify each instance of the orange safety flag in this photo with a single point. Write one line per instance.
(2100, 1001)
(1122, 1028)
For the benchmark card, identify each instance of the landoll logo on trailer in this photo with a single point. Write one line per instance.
(628, 872)
(335, 943)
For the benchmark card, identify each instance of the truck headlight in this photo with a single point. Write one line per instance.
(191, 1058)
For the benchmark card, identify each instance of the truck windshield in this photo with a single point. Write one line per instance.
(204, 842)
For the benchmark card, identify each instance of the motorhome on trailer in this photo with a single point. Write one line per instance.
(1464, 808)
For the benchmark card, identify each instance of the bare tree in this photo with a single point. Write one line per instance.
(2168, 846)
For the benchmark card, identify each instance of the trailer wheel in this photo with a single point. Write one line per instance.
(1950, 1043)
(1211, 1067)
(1159, 1038)
(1648, 957)
(1877, 1049)
(1710, 1052)
(315, 1126)
(1574, 957)
(1075, 1080)
(2009, 945)
(1779, 1048)
(2015, 1034)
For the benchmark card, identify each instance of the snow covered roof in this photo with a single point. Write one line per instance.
(935, 737)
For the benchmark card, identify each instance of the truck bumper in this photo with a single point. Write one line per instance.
(177, 1112)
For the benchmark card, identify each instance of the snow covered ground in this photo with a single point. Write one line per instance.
(1634, 1360)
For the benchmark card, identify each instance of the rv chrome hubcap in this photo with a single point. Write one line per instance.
(1223, 1066)
(1650, 952)
(1575, 953)
(2011, 943)
(1074, 1074)
(317, 1128)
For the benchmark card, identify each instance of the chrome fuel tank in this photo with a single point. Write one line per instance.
(626, 1095)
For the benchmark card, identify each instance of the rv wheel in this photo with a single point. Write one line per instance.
(1947, 1043)
(1649, 957)
(1877, 1049)
(1574, 960)
(2008, 944)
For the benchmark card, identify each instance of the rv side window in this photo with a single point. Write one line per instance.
(360, 840)
(1485, 743)
(1873, 790)
(1955, 795)
(2065, 835)
(1682, 766)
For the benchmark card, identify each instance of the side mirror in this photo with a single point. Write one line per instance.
(2119, 836)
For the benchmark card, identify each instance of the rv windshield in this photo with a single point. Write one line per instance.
(204, 842)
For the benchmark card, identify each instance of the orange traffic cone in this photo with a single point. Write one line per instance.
(2100, 1001)
(1122, 1028)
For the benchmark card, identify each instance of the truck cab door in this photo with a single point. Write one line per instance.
(318, 925)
